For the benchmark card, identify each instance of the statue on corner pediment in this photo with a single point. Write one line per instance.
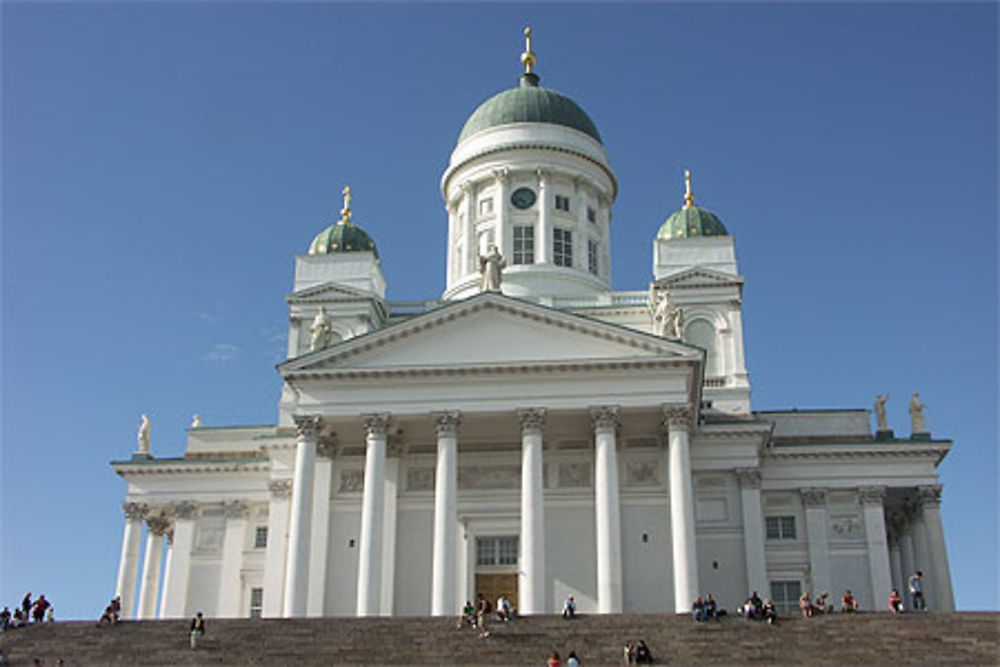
(321, 331)
(668, 317)
(491, 266)
(142, 436)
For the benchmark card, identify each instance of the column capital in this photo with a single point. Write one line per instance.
(543, 176)
(236, 509)
(280, 488)
(813, 497)
(185, 509)
(159, 524)
(531, 419)
(376, 424)
(307, 427)
(326, 448)
(604, 417)
(677, 417)
(446, 423)
(871, 495)
(502, 175)
(750, 478)
(135, 510)
(929, 496)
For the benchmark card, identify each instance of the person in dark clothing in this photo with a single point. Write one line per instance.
(197, 629)
(642, 653)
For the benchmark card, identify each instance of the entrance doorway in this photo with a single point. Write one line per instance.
(496, 568)
(492, 586)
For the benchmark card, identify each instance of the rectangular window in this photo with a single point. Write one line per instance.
(785, 596)
(260, 538)
(562, 203)
(524, 244)
(562, 247)
(486, 206)
(592, 256)
(256, 602)
(496, 551)
(591, 214)
(780, 527)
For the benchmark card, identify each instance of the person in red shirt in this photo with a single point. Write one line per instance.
(554, 660)
(848, 603)
(895, 602)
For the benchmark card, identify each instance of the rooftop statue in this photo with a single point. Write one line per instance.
(668, 318)
(917, 424)
(491, 266)
(196, 421)
(321, 331)
(143, 436)
(880, 402)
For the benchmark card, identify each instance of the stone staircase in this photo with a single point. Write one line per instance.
(968, 638)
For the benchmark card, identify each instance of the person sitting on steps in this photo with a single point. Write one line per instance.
(569, 608)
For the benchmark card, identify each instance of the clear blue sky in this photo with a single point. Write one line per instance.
(163, 164)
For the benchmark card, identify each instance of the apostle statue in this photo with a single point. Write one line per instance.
(196, 421)
(880, 402)
(143, 436)
(491, 266)
(917, 424)
(668, 318)
(321, 331)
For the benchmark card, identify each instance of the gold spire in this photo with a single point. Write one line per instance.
(688, 195)
(528, 57)
(345, 213)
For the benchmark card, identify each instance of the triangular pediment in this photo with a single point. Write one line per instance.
(329, 291)
(492, 330)
(699, 277)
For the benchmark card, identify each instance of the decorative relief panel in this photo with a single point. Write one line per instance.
(575, 475)
(489, 477)
(420, 479)
(351, 481)
(846, 527)
(642, 473)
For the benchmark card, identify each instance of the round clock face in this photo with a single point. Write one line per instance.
(523, 198)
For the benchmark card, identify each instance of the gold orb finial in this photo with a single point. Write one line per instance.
(345, 213)
(688, 195)
(528, 57)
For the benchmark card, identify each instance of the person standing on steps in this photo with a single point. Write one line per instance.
(916, 587)
(197, 629)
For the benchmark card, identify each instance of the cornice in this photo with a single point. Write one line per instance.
(858, 451)
(190, 466)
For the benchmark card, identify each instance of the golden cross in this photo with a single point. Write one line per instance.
(528, 58)
(345, 213)
(688, 195)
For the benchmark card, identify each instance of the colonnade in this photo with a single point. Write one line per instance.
(916, 542)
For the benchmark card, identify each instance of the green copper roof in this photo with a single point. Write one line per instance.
(691, 222)
(342, 237)
(529, 103)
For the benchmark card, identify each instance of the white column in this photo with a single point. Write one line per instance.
(471, 260)
(531, 568)
(500, 207)
(300, 518)
(678, 421)
(175, 583)
(372, 504)
(921, 554)
(753, 530)
(445, 514)
(277, 546)
(168, 546)
(872, 498)
(156, 526)
(607, 511)
(319, 541)
(233, 542)
(816, 532)
(896, 567)
(906, 560)
(387, 599)
(940, 573)
(543, 233)
(128, 564)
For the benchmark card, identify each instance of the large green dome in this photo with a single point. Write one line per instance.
(529, 103)
(343, 236)
(691, 221)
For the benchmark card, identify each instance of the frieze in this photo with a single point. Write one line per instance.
(480, 478)
(642, 473)
(420, 479)
(575, 475)
(351, 481)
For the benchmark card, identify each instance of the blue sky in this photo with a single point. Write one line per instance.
(163, 163)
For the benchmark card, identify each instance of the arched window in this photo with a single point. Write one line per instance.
(702, 333)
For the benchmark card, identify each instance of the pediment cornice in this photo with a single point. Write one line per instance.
(700, 277)
(330, 291)
(190, 466)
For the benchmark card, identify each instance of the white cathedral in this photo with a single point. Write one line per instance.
(533, 432)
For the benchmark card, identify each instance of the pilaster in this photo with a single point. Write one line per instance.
(753, 528)
(277, 546)
(817, 521)
(176, 582)
(230, 580)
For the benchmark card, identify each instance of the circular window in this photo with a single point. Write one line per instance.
(523, 198)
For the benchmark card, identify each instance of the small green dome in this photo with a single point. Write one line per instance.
(342, 236)
(691, 221)
(529, 103)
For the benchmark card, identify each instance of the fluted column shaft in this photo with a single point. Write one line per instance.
(872, 498)
(930, 500)
(128, 564)
(372, 504)
(233, 540)
(921, 554)
(178, 575)
(300, 520)
(531, 568)
(753, 529)
(152, 566)
(607, 510)
(678, 421)
(445, 514)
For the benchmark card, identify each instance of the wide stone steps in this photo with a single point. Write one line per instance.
(969, 638)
